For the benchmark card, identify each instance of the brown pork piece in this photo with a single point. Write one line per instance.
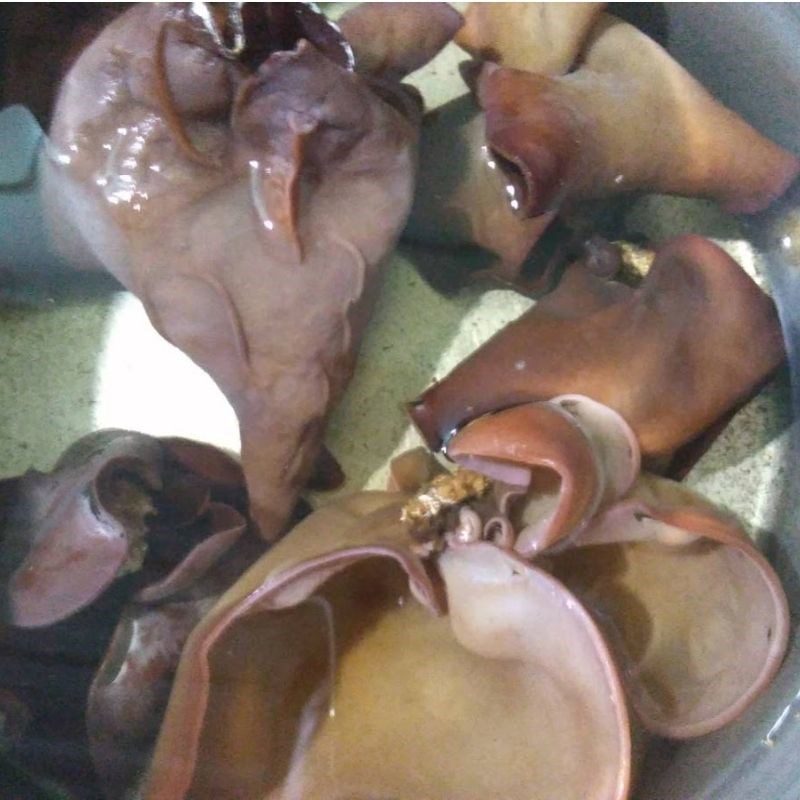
(539, 37)
(630, 118)
(461, 203)
(230, 168)
(696, 616)
(699, 610)
(340, 629)
(588, 448)
(651, 601)
(106, 563)
(391, 40)
(672, 356)
(465, 208)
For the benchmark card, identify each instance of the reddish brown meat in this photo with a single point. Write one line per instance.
(246, 184)
(672, 356)
(630, 118)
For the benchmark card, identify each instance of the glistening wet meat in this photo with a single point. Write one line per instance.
(249, 206)
(671, 356)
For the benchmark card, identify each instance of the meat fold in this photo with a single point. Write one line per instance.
(696, 615)
(587, 449)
